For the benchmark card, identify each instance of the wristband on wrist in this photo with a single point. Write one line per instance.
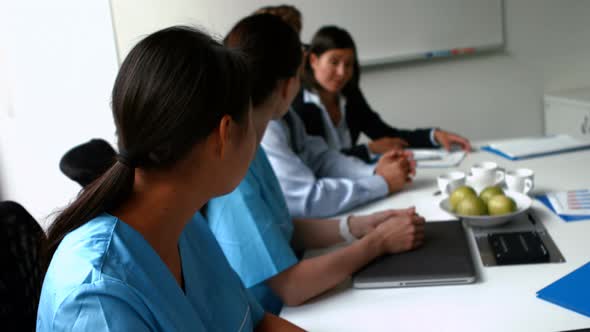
(345, 229)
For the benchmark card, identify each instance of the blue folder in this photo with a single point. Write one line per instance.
(534, 155)
(571, 292)
(543, 199)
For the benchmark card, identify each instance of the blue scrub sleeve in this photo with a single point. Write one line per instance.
(101, 306)
(254, 242)
(257, 312)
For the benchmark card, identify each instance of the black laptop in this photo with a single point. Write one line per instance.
(444, 259)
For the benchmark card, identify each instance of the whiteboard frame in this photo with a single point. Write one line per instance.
(437, 54)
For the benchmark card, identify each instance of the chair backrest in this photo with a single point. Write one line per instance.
(86, 162)
(21, 266)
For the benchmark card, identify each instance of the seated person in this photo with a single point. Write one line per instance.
(21, 242)
(253, 225)
(332, 105)
(316, 181)
(131, 253)
(86, 162)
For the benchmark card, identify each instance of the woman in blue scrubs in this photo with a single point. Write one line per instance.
(121, 259)
(252, 224)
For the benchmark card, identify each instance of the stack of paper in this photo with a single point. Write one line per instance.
(570, 205)
(571, 292)
(536, 146)
(437, 157)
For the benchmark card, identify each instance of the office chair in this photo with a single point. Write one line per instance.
(86, 162)
(22, 267)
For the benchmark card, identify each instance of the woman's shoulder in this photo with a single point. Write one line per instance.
(94, 306)
(303, 105)
(353, 94)
(84, 248)
(84, 253)
(298, 101)
(306, 107)
(76, 270)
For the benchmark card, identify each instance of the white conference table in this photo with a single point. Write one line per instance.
(502, 299)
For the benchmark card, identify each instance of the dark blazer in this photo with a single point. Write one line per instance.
(360, 118)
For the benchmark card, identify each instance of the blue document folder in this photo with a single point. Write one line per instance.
(543, 199)
(532, 147)
(535, 155)
(571, 292)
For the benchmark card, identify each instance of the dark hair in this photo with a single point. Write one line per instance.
(170, 93)
(325, 39)
(272, 48)
(289, 14)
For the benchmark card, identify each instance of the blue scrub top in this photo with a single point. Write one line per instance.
(105, 276)
(254, 228)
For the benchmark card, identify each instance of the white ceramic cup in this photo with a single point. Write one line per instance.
(450, 181)
(486, 173)
(521, 180)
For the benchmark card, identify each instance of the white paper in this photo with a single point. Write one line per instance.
(430, 158)
(429, 208)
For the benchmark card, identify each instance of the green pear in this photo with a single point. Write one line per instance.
(459, 194)
(501, 204)
(490, 192)
(472, 206)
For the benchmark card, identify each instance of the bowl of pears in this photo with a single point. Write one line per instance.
(493, 206)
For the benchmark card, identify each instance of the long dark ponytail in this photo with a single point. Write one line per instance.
(170, 93)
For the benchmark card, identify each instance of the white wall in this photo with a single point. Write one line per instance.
(548, 48)
(57, 67)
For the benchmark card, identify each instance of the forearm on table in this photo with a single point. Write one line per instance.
(271, 323)
(313, 276)
(315, 233)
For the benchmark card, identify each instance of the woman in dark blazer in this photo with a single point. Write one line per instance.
(332, 105)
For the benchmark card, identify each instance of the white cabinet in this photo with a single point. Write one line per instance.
(568, 112)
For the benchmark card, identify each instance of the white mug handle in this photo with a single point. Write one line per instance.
(528, 185)
(500, 176)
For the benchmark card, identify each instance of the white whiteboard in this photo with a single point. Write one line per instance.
(384, 30)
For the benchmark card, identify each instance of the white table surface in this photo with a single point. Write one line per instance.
(502, 299)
